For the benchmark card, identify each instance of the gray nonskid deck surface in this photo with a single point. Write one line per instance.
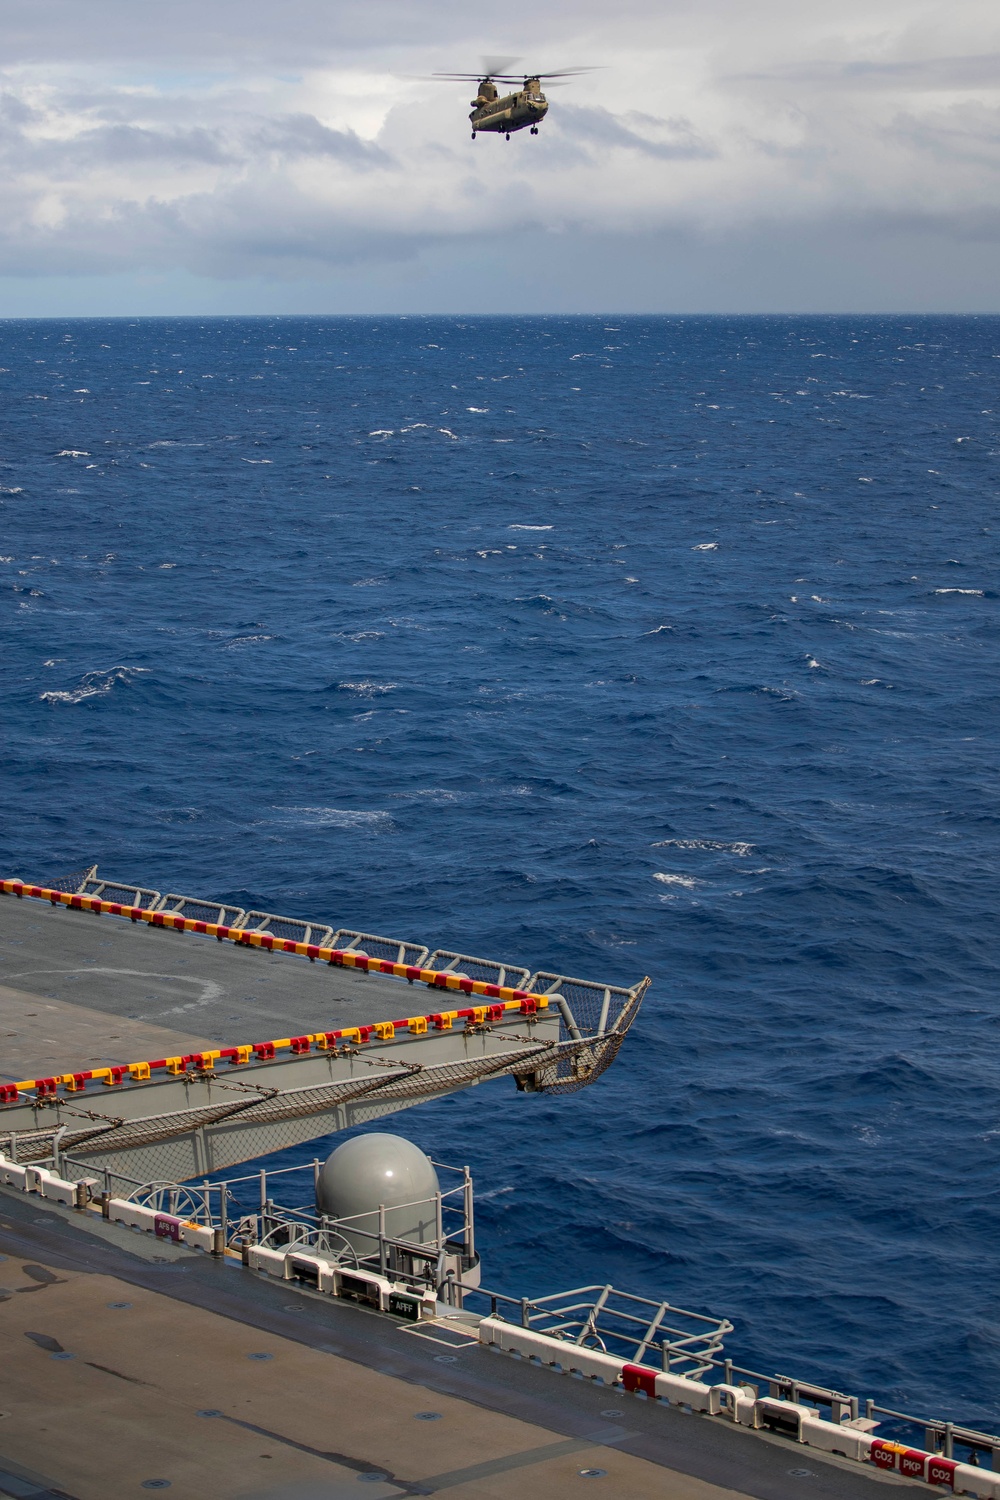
(186, 981)
(755, 1465)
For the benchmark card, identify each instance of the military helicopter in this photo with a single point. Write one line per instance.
(523, 109)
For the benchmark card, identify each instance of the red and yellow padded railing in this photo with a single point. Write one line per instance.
(504, 999)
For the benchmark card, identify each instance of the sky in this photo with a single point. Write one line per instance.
(722, 156)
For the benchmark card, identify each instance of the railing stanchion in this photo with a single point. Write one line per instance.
(470, 1234)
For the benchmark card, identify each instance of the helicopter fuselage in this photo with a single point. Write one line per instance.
(526, 108)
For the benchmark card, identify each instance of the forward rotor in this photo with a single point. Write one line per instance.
(520, 78)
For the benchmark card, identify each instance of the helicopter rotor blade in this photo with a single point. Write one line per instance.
(563, 73)
(495, 65)
(519, 78)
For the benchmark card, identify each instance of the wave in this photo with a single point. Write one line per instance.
(337, 817)
(363, 689)
(737, 846)
(93, 685)
(784, 695)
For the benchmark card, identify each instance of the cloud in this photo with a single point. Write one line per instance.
(925, 75)
(304, 135)
(245, 141)
(669, 140)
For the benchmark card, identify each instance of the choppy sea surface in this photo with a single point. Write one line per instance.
(618, 646)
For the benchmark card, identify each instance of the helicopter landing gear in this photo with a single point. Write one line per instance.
(534, 130)
(473, 135)
(508, 135)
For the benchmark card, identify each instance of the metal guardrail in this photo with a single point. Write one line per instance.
(588, 1007)
(447, 962)
(690, 1345)
(618, 1323)
(635, 1329)
(246, 1213)
(590, 1034)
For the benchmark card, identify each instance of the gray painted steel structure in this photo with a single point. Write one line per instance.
(196, 1123)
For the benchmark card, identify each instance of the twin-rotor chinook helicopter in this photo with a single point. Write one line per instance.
(524, 109)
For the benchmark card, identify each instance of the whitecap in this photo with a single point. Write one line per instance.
(447, 432)
(736, 846)
(72, 453)
(477, 408)
(17, 490)
(687, 881)
(705, 547)
(337, 817)
(258, 460)
(366, 689)
(381, 432)
(530, 528)
(429, 794)
(977, 592)
(93, 685)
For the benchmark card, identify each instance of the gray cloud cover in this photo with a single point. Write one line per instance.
(296, 145)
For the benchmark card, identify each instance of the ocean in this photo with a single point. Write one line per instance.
(617, 646)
